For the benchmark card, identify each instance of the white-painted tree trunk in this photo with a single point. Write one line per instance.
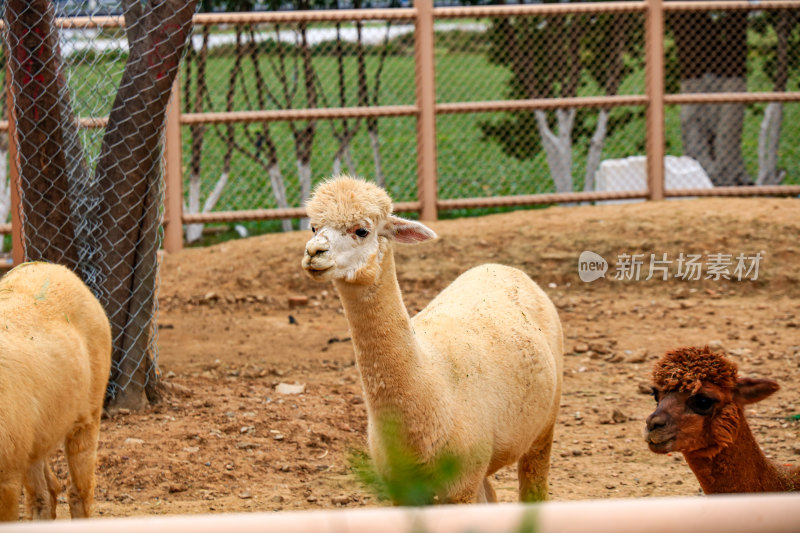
(596, 149)
(375, 143)
(195, 231)
(279, 192)
(304, 173)
(558, 146)
(345, 154)
(769, 137)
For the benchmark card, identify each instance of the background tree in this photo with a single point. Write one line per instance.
(5, 184)
(553, 57)
(781, 30)
(712, 57)
(105, 226)
(365, 95)
(284, 77)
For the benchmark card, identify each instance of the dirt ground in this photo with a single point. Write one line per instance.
(224, 440)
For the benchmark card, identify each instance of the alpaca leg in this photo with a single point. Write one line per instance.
(9, 499)
(469, 490)
(81, 452)
(487, 493)
(41, 492)
(533, 468)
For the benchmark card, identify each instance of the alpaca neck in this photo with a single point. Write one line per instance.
(739, 467)
(387, 352)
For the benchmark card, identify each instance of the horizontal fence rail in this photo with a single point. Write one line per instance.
(765, 513)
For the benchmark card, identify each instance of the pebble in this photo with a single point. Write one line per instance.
(341, 500)
(298, 301)
(638, 356)
(290, 388)
(716, 345)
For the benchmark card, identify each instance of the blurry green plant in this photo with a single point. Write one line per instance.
(408, 481)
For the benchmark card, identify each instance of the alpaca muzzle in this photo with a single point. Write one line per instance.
(658, 434)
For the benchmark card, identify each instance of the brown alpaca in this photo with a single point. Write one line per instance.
(700, 413)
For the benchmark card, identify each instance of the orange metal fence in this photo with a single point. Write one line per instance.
(426, 108)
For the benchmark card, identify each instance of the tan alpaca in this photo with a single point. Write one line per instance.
(475, 375)
(700, 413)
(55, 357)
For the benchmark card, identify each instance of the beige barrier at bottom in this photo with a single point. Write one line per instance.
(765, 513)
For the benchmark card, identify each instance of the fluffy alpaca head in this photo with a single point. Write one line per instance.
(353, 227)
(700, 399)
(687, 369)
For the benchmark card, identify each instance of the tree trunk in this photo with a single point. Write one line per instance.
(194, 231)
(712, 54)
(769, 137)
(195, 105)
(304, 138)
(613, 80)
(128, 173)
(712, 133)
(768, 142)
(375, 144)
(279, 191)
(49, 145)
(372, 122)
(558, 147)
(265, 145)
(5, 184)
(770, 132)
(5, 193)
(596, 149)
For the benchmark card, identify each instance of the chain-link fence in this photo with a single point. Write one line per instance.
(741, 51)
(524, 58)
(481, 60)
(290, 66)
(529, 101)
(91, 196)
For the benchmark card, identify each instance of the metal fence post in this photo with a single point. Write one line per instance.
(654, 74)
(17, 243)
(173, 174)
(426, 108)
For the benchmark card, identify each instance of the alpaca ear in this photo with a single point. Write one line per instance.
(407, 231)
(749, 390)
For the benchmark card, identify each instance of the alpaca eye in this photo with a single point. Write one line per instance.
(654, 394)
(361, 232)
(313, 229)
(701, 404)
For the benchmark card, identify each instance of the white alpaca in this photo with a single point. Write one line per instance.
(475, 375)
(55, 356)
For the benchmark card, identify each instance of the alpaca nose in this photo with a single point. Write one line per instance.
(316, 247)
(656, 420)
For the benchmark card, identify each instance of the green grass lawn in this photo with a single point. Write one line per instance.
(468, 163)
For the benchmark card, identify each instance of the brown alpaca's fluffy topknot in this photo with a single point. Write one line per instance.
(686, 369)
